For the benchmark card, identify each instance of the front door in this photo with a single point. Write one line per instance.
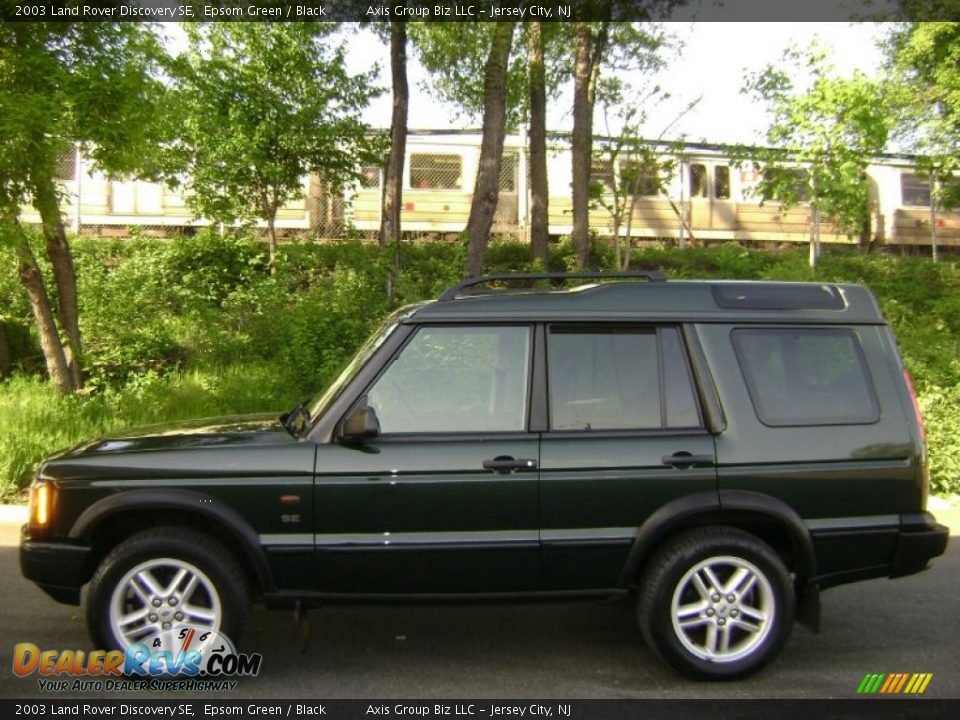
(626, 437)
(445, 498)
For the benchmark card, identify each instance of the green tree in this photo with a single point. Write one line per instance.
(456, 56)
(393, 175)
(619, 46)
(923, 65)
(634, 165)
(452, 53)
(822, 137)
(539, 188)
(263, 105)
(61, 85)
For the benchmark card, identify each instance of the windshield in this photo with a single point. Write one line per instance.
(324, 399)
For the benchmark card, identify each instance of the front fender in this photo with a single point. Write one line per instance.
(186, 501)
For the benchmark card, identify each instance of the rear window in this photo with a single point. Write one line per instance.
(806, 376)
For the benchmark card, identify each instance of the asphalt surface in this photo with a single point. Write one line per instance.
(581, 650)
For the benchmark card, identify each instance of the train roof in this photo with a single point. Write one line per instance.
(658, 300)
(675, 146)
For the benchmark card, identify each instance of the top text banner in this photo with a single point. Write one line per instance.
(467, 10)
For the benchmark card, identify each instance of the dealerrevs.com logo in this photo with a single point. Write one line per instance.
(184, 657)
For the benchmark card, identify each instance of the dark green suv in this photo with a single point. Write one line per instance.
(722, 450)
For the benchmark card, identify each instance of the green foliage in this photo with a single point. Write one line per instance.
(923, 65)
(198, 327)
(261, 105)
(455, 54)
(35, 421)
(62, 83)
(209, 267)
(830, 130)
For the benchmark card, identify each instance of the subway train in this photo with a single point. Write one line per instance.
(704, 198)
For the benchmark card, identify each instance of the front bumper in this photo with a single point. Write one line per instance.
(58, 568)
(920, 540)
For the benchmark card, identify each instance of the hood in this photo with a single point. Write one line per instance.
(207, 432)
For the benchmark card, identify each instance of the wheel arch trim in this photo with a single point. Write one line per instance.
(188, 501)
(725, 506)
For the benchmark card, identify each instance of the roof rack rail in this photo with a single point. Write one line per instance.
(453, 291)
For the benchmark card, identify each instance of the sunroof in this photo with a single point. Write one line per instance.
(749, 296)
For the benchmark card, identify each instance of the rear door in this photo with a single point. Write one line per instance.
(625, 436)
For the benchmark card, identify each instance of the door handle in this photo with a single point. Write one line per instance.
(506, 464)
(684, 459)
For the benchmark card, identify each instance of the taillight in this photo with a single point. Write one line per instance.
(916, 406)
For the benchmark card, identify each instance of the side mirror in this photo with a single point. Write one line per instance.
(359, 425)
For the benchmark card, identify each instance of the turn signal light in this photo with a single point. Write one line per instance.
(41, 496)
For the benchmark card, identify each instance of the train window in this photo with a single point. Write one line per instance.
(790, 185)
(915, 190)
(436, 172)
(67, 165)
(698, 180)
(601, 173)
(640, 178)
(721, 182)
(370, 176)
(508, 173)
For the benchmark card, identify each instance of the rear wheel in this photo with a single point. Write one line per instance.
(165, 577)
(716, 603)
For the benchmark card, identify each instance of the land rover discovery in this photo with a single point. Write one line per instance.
(719, 451)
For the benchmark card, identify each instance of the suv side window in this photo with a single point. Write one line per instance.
(456, 379)
(619, 378)
(806, 376)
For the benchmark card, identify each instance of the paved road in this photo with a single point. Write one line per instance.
(584, 650)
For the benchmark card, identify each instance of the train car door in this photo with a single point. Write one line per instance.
(698, 185)
(723, 210)
(711, 197)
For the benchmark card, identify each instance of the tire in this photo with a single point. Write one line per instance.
(716, 603)
(212, 589)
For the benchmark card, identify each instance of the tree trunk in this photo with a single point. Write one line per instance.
(814, 237)
(581, 145)
(272, 228)
(589, 52)
(393, 176)
(61, 259)
(53, 350)
(539, 191)
(486, 189)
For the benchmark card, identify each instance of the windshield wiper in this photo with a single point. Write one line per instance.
(295, 420)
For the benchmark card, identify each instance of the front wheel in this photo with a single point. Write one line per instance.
(162, 578)
(716, 603)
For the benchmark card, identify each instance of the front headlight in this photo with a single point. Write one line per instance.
(41, 504)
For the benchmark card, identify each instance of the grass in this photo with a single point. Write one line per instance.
(35, 421)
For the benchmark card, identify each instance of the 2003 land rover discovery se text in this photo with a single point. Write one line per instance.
(722, 451)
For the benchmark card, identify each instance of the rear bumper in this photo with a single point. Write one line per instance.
(920, 540)
(854, 549)
(58, 568)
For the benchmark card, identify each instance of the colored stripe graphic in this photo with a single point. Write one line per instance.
(894, 683)
(870, 683)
